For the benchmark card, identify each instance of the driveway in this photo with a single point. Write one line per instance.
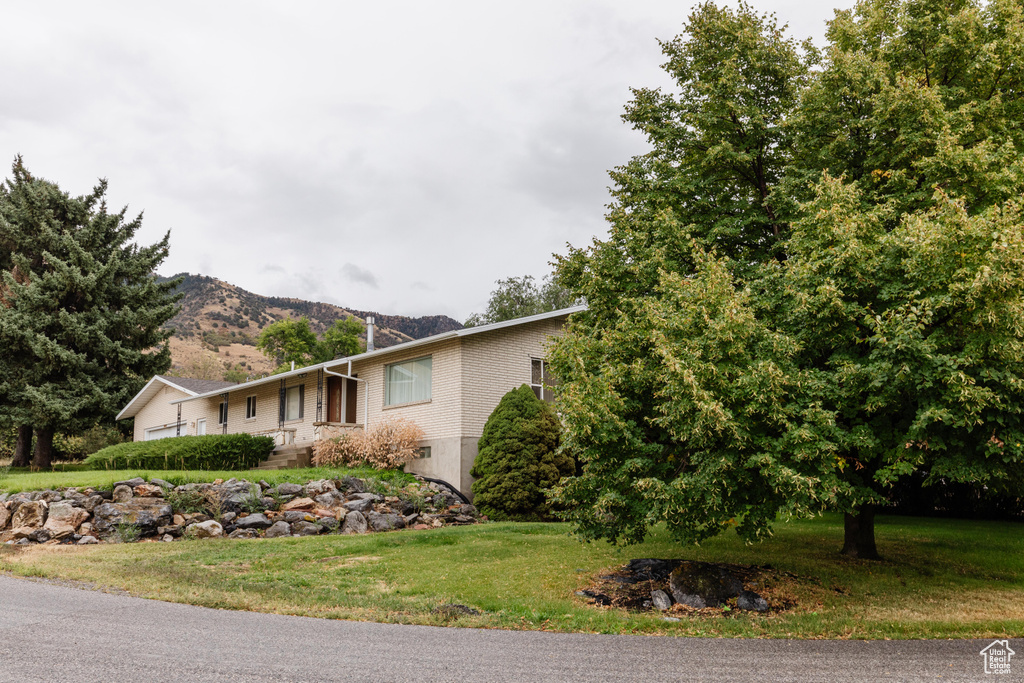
(49, 632)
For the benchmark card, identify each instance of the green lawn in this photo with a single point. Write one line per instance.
(940, 579)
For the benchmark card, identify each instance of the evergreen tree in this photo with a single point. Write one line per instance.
(80, 308)
(518, 459)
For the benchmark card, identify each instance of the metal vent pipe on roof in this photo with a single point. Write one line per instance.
(369, 333)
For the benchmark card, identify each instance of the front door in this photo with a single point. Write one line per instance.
(200, 427)
(341, 400)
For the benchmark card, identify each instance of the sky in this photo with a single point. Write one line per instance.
(398, 157)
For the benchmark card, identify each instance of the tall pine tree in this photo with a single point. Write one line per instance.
(80, 309)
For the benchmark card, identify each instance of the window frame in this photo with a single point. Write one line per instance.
(222, 413)
(250, 407)
(387, 383)
(301, 388)
(545, 390)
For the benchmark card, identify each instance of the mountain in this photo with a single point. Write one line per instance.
(216, 329)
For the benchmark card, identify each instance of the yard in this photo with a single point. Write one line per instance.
(939, 579)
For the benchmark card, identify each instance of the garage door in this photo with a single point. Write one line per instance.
(161, 433)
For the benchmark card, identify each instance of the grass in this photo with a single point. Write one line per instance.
(941, 578)
(21, 479)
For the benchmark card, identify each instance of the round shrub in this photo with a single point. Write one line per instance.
(518, 458)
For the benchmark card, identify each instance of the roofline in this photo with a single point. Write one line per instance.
(143, 390)
(452, 334)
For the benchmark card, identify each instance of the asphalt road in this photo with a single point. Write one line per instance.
(50, 632)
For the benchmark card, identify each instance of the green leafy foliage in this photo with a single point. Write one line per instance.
(211, 452)
(766, 336)
(518, 459)
(287, 341)
(518, 297)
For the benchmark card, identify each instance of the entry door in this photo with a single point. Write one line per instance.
(200, 427)
(341, 400)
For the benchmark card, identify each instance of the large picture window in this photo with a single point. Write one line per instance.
(407, 382)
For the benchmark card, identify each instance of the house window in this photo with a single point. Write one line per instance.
(293, 400)
(250, 407)
(407, 382)
(424, 452)
(541, 380)
(222, 413)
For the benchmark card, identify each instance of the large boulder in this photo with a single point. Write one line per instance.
(699, 584)
(5, 516)
(384, 522)
(278, 529)
(207, 529)
(306, 529)
(359, 505)
(31, 514)
(146, 513)
(63, 519)
(288, 489)
(257, 521)
(355, 523)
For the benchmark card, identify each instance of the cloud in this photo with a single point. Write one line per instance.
(354, 273)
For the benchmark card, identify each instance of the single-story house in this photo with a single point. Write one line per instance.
(448, 384)
(156, 417)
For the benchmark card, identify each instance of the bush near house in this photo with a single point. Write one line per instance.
(386, 445)
(518, 458)
(211, 452)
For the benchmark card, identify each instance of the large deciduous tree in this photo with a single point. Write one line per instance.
(293, 341)
(80, 309)
(518, 297)
(811, 285)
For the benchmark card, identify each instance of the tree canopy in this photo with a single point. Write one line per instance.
(80, 308)
(518, 297)
(289, 340)
(811, 285)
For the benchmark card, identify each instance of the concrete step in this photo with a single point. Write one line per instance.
(287, 457)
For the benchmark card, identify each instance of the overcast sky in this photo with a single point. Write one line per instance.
(389, 156)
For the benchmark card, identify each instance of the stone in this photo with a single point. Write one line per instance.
(751, 601)
(122, 494)
(88, 540)
(293, 516)
(244, 533)
(146, 513)
(299, 504)
(355, 523)
(208, 529)
(353, 484)
(256, 521)
(359, 505)
(130, 483)
(148, 491)
(329, 523)
(661, 600)
(699, 584)
(320, 513)
(306, 529)
(90, 502)
(319, 486)
(31, 514)
(178, 520)
(228, 517)
(5, 516)
(85, 529)
(161, 483)
(288, 489)
(50, 496)
(39, 536)
(279, 529)
(63, 519)
(384, 522)
(170, 530)
(421, 527)
(470, 510)
(330, 499)
(167, 538)
(410, 519)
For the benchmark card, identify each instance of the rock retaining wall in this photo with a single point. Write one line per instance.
(137, 510)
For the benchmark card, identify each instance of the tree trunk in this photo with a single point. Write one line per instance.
(22, 447)
(44, 449)
(859, 533)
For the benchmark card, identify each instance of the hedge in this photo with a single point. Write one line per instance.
(211, 452)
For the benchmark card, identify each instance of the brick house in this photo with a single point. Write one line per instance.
(448, 384)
